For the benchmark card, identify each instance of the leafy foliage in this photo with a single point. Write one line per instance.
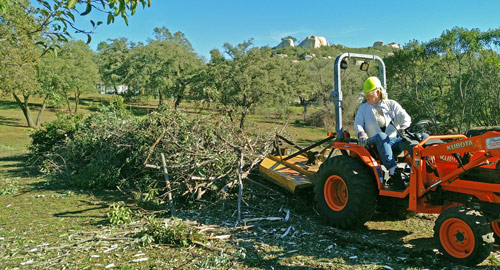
(119, 214)
(172, 232)
(54, 133)
(19, 55)
(70, 73)
(111, 58)
(57, 17)
(247, 79)
(27, 34)
(164, 67)
(451, 80)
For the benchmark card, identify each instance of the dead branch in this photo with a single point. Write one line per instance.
(154, 146)
(167, 182)
(240, 181)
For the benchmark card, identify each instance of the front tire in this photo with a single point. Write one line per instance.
(345, 192)
(464, 235)
(495, 226)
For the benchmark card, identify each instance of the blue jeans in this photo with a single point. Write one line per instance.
(387, 148)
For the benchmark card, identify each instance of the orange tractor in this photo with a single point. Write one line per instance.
(455, 176)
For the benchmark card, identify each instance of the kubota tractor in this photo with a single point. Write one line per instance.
(455, 176)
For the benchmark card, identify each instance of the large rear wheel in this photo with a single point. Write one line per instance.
(345, 192)
(464, 235)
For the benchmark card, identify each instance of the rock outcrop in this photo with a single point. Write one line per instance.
(313, 42)
(287, 42)
(392, 44)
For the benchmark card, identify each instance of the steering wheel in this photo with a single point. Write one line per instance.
(414, 132)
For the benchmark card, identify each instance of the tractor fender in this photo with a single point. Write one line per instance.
(361, 153)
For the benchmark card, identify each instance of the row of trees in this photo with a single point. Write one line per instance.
(235, 81)
(38, 60)
(452, 80)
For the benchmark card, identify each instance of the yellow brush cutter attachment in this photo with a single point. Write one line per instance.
(296, 171)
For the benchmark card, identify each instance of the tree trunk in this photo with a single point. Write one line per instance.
(160, 98)
(304, 112)
(242, 120)
(68, 104)
(177, 101)
(26, 109)
(44, 105)
(243, 113)
(77, 99)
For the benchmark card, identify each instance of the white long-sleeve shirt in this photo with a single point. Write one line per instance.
(366, 122)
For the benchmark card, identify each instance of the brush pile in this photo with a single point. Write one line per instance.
(110, 149)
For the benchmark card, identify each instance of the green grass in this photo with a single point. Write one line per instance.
(47, 224)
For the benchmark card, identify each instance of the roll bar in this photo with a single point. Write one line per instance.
(336, 94)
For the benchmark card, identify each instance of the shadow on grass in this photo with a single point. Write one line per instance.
(16, 166)
(11, 121)
(80, 213)
(104, 198)
(8, 105)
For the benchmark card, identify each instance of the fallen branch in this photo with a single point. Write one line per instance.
(167, 182)
(220, 237)
(260, 225)
(261, 219)
(154, 146)
(208, 247)
(240, 181)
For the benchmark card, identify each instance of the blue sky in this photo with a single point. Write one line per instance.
(209, 24)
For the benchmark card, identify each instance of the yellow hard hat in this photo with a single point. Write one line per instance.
(371, 84)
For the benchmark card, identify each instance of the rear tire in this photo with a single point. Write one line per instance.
(345, 192)
(463, 235)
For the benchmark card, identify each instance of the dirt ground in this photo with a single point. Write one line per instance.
(46, 224)
(305, 242)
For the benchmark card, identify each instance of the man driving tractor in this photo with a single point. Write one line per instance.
(377, 123)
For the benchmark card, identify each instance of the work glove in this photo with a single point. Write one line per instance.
(401, 131)
(362, 139)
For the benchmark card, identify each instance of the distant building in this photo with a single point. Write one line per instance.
(115, 89)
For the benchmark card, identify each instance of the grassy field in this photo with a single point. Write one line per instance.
(47, 224)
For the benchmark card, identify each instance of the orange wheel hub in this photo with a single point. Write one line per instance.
(457, 238)
(335, 193)
(496, 228)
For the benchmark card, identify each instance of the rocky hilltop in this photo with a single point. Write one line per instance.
(314, 42)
